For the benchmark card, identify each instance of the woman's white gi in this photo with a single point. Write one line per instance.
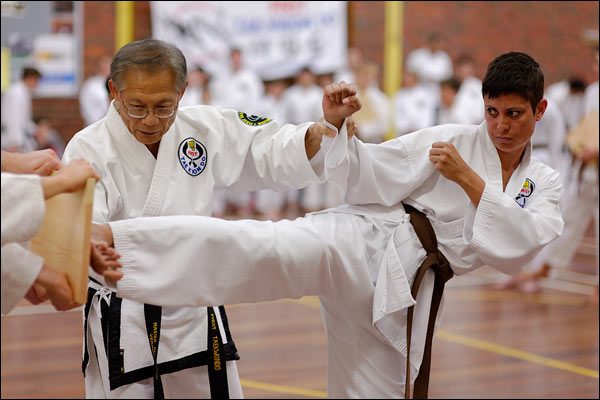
(360, 259)
(23, 210)
(205, 148)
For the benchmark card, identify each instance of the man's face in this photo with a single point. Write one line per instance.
(511, 121)
(156, 93)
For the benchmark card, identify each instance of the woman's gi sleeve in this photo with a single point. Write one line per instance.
(207, 261)
(506, 236)
(384, 173)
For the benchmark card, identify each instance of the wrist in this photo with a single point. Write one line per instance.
(312, 141)
(102, 233)
(337, 122)
(53, 185)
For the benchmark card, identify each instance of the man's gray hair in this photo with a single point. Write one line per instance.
(149, 55)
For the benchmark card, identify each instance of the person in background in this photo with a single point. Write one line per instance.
(93, 96)
(303, 103)
(447, 111)
(198, 90)
(373, 119)
(468, 99)
(354, 62)
(269, 203)
(17, 119)
(569, 97)
(431, 62)
(46, 137)
(414, 107)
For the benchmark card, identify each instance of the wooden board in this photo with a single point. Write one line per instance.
(64, 238)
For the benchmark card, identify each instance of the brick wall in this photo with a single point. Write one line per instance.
(549, 31)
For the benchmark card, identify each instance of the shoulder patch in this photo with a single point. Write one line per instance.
(253, 120)
(525, 192)
(192, 156)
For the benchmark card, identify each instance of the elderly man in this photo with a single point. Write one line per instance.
(485, 199)
(157, 160)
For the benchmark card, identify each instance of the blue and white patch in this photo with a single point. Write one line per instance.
(253, 120)
(192, 156)
(525, 192)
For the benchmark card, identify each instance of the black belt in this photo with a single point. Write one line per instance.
(111, 330)
(435, 261)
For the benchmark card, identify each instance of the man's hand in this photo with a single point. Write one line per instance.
(339, 101)
(451, 165)
(104, 260)
(40, 162)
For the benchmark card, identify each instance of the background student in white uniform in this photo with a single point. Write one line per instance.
(93, 96)
(488, 201)
(158, 160)
(17, 120)
(414, 106)
(25, 274)
(431, 62)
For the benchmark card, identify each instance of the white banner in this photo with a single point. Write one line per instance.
(277, 38)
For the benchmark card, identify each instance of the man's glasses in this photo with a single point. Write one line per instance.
(142, 112)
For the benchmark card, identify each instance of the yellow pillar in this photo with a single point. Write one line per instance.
(392, 56)
(5, 67)
(124, 23)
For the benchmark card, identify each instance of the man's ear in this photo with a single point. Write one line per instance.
(183, 90)
(541, 109)
(113, 89)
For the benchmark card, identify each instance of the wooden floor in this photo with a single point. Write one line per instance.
(491, 344)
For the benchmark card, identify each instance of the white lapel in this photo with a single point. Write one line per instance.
(491, 158)
(161, 179)
(518, 179)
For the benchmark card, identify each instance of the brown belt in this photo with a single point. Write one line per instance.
(435, 261)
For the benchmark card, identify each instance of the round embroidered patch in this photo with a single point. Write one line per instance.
(192, 156)
(253, 120)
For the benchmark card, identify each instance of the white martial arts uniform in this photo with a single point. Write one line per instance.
(549, 138)
(360, 259)
(303, 103)
(93, 99)
(469, 102)
(431, 67)
(23, 210)
(205, 148)
(579, 204)
(414, 109)
(17, 123)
